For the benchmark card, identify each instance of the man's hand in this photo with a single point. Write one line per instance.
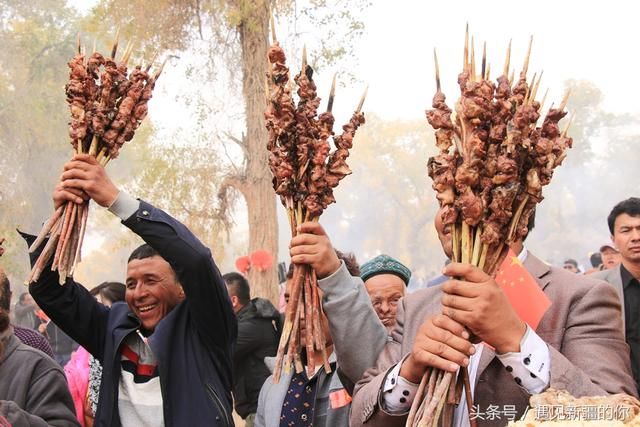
(477, 302)
(312, 247)
(442, 343)
(83, 174)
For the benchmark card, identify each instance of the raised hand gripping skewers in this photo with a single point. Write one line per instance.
(305, 172)
(107, 104)
(493, 161)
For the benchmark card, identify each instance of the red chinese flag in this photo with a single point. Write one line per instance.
(522, 290)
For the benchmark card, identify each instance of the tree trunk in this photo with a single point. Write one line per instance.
(258, 191)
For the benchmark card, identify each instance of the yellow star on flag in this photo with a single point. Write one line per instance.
(516, 261)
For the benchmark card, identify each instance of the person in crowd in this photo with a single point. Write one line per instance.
(624, 226)
(24, 312)
(386, 280)
(61, 343)
(27, 336)
(33, 390)
(578, 345)
(166, 352)
(259, 329)
(572, 266)
(84, 371)
(610, 257)
(324, 399)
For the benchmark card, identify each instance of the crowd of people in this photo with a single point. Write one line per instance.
(180, 344)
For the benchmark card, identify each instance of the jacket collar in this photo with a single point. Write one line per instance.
(538, 269)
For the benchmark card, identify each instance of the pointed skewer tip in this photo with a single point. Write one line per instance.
(116, 40)
(507, 61)
(332, 94)
(304, 57)
(364, 96)
(274, 39)
(563, 104)
(435, 61)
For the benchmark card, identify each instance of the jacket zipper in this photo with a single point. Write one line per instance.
(219, 405)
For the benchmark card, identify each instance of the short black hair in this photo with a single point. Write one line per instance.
(142, 252)
(572, 262)
(631, 207)
(113, 291)
(596, 259)
(238, 286)
(5, 292)
(22, 297)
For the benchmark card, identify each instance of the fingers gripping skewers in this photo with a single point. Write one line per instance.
(488, 176)
(305, 172)
(107, 104)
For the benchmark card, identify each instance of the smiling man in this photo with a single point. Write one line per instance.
(166, 352)
(624, 225)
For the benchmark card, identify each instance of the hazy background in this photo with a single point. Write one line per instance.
(387, 205)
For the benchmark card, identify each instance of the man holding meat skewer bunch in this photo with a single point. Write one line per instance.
(166, 352)
(488, 186)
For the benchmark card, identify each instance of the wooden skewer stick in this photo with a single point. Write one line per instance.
(472, 70)
(484, 60)
(527, 97)
(435, 61)
(525, 67)
(157, 74)
(116, 40)
(563, 104)
(544, 98)
(566, 128)
(488, 76)
(332, 94)
(534, 92)
(95, 44)
(127, 53)
(274, 39)
(46, 228)
(465, 62)
(150, 64)
(79, 44)
(507, 61)
(511, 76)
(304, 58)
(362, 98)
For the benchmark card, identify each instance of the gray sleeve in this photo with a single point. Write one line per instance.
(48, 404)
(124, 206)
(260, 418)
(353, 322)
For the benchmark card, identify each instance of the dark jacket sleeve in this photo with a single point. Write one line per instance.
(49, 404)
(251, 336)
(206, 294)
(71, 308)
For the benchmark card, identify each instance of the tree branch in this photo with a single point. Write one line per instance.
(242, 142)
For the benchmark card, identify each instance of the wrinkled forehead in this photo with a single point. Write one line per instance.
(385, 283)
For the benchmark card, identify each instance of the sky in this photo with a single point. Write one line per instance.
(571, 40)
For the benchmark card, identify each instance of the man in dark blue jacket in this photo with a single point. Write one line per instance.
(166, 353)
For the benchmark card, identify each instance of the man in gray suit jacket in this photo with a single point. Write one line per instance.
(624, 225)
(578, 345)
